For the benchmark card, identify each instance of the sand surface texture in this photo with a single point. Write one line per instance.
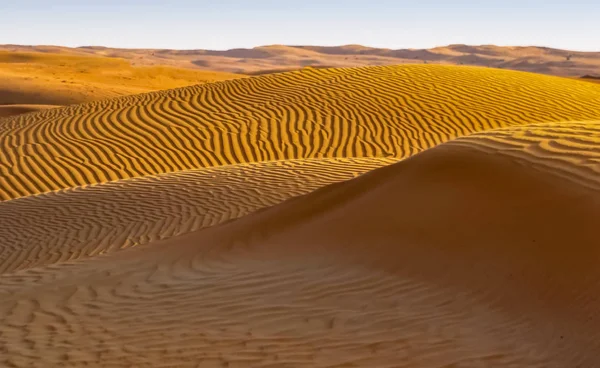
(407, 216)
(391, 112)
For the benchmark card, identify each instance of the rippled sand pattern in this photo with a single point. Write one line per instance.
(355, 112)
(570, 150)
(422, 263)
(254, 314)
(71, 224)
(414, 216)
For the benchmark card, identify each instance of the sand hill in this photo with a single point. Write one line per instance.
(273, 58)
(390, 112)
(405, 216)
(30, 81)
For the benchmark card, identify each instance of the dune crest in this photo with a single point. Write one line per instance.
(10, 110)
(46, 78)
(570, 150)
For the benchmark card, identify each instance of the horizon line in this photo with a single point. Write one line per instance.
(305, 45)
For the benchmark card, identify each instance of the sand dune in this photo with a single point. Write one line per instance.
(406, 216)
(453, 257)
(390, 112)
(35, 78)
(265, 59)
(87, 221)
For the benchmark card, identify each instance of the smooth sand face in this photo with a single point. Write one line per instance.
(30, 78)
(76, 223)
(480, 251)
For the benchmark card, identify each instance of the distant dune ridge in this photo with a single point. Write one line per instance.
(381, 216)
(55, 75)
(265, 59)
(391, 111)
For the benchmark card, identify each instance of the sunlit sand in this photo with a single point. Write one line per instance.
(385, 216)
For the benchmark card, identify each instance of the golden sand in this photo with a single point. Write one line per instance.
(277, 229)
(88, 221)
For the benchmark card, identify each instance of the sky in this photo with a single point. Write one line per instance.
(225, 24)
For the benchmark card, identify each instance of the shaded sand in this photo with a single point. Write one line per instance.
(390, 112)
(277, 58)
(35, 78)
(9, 110)
(86, 221)
(476, 253)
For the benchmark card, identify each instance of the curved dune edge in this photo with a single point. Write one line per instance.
(570, 150)
(451, 257)
(82, 222)
(393, 111)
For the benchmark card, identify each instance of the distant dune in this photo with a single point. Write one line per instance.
(380, 216)
(277, 58)
(34, 78)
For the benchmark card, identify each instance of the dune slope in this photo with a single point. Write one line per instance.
(266, 59)
(33, 78)
(390, 112)
(82, 222)
(479, 252)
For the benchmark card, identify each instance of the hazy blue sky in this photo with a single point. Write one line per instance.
(223, 24)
